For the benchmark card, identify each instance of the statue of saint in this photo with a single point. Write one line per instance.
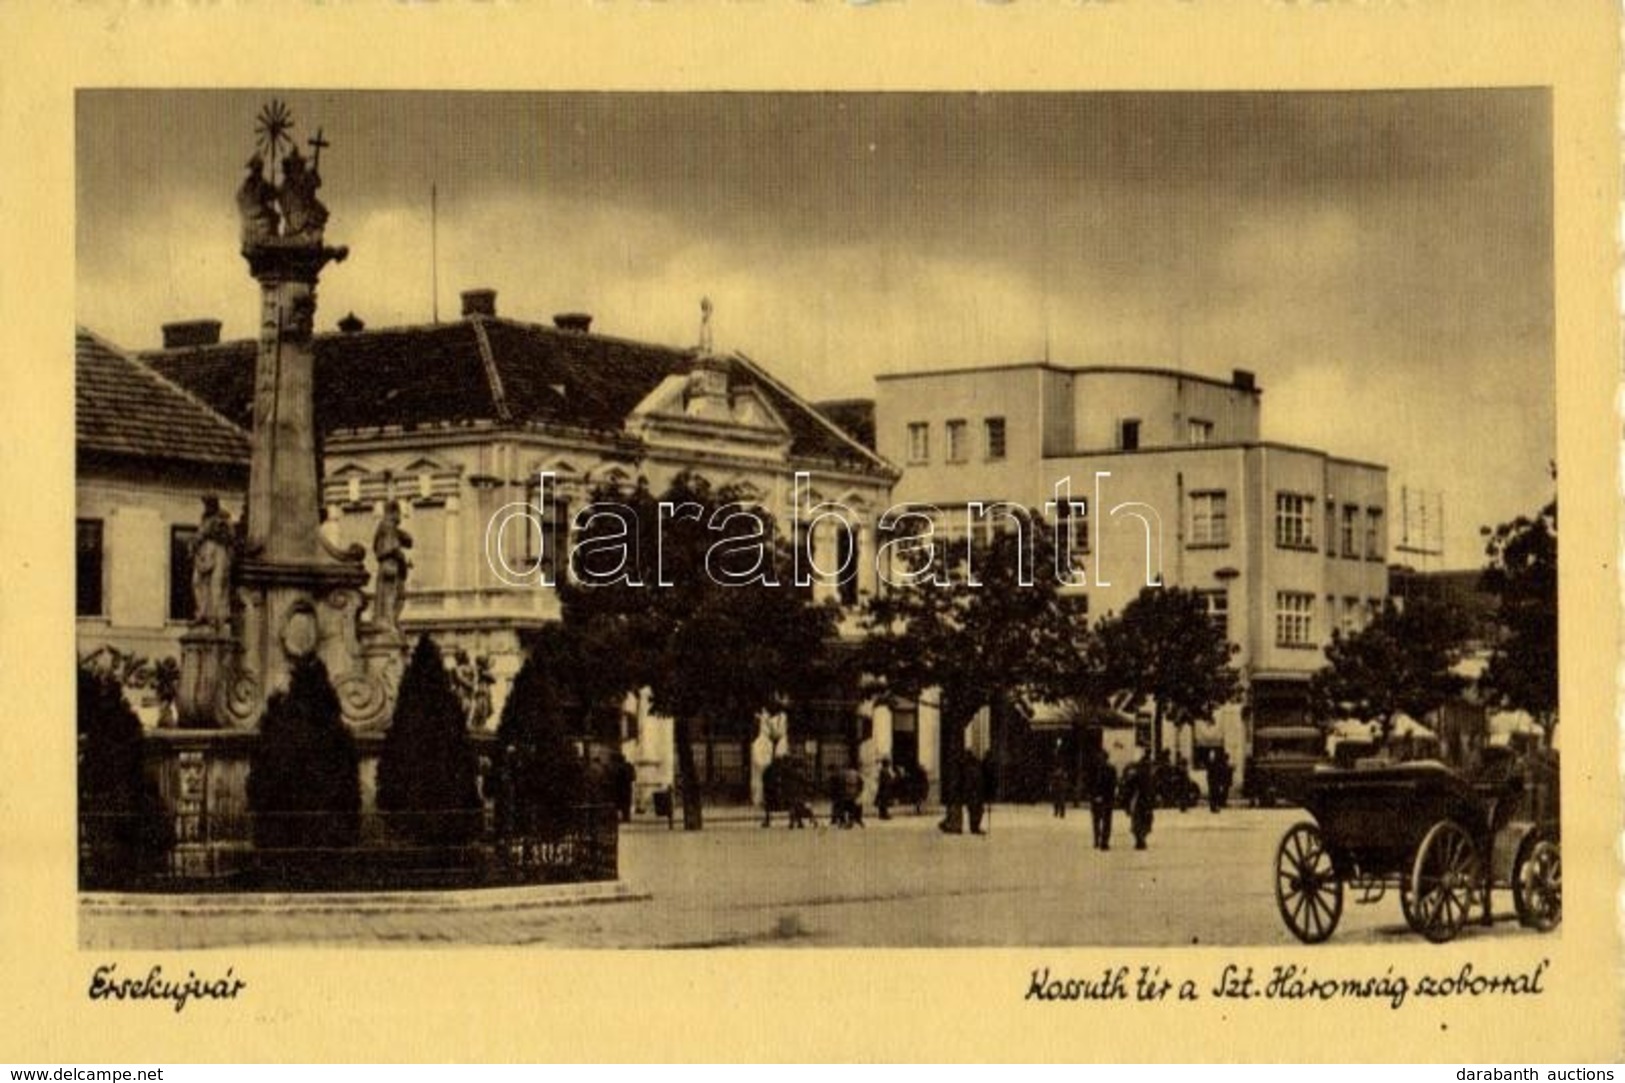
(303, 215)
(256, 203)
(212, 551)
(389, 546)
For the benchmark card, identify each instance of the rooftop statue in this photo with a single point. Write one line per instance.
(303, 215)
(285, 214)
(256, 202)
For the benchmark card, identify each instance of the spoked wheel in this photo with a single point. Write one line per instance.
(1407, 904)
(1445, 880)
(1307, 888)
(1537, 883)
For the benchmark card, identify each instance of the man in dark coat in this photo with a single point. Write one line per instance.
(885, 789)
(772, 791)
(973, 787)
(1219, 775)
(1102, 801)
(1142, 798)
(1059, 784)
(625, 777)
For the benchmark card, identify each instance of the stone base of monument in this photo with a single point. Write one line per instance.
(208, 660)
(202, 778)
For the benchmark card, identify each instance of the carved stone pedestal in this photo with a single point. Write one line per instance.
(208, 664)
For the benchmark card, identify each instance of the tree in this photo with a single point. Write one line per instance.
(1401, 662)
(304, 785)
(699, 607)
(542, 776)
(1522, 573)
(989, 627)
(126, 830)
(1165, 649)
(426, 771)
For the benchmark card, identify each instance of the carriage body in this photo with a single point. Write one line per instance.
(1442, 839)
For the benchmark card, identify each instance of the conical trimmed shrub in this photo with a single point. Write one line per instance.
(126, 829)
(426, 772)
(304, 784)
(542, 776)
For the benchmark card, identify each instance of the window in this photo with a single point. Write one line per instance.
(182, 605)
(1294, 619)
(1352, 614)
(1351, 515)
(1129, 435)
(546, 533)
(1199, 431)
(1209, 520)
(956, 441)
(88, 561)
(1374, 542)
(994, 430)
(1294, 521)
(846, 560)
(1218, 610)
(1072, 519)
(919, 442)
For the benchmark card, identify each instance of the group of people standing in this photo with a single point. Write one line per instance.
(788, 786)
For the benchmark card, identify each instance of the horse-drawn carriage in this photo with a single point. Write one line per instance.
(1445, 840)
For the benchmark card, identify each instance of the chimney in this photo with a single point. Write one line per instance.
(479, 303)
(1243, 380)
(351, 324)
(184, 333)
(573, 321)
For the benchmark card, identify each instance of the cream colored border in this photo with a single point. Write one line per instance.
(535, 1004)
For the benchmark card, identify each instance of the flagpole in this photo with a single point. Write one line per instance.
(434, 251)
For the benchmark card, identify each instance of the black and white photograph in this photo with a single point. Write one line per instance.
(824, 533)
(816, 519)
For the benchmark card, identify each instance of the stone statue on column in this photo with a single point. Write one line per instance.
(213, 550)
(389, 546)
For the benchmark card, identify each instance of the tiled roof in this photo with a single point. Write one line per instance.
(123, 407)
(493, 370)
(856, 417)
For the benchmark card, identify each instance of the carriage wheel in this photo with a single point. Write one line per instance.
(1537, 884)
(1307, 888)
(1445, 880)
(1407, 904)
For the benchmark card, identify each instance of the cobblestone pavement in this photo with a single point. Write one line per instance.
(1032, 880)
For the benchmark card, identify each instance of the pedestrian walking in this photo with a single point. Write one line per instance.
(625, 778)
(1058, 787)
(885, 790)
(1102, 801)
(1142, 798)
(1219, 776)
(974, 787)
(772, 791)
(852, 796)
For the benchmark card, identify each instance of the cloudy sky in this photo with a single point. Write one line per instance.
(1382, 261)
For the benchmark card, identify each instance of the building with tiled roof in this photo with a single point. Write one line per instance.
(147, 451)
(458, 421)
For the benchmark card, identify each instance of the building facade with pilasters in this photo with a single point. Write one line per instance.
(463, 422)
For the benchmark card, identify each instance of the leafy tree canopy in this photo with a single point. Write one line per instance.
(1522, 572)
(693, 595)
(1401, 662)
(989, 626)
(1165, 649)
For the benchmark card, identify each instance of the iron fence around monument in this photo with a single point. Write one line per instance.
(217, 852)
